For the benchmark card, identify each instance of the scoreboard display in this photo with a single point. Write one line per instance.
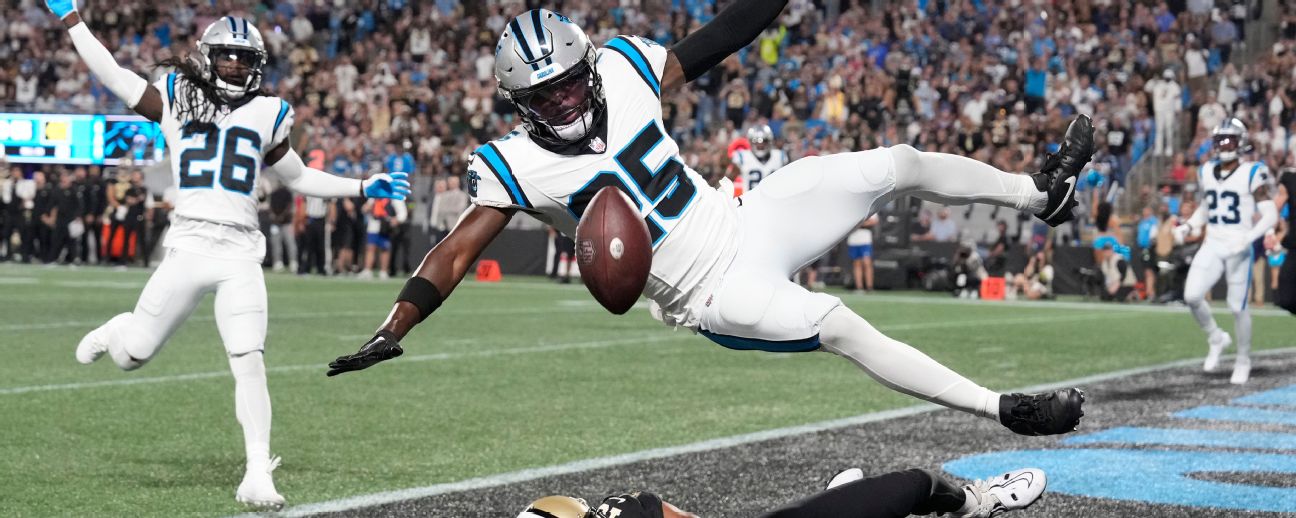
(80, 139)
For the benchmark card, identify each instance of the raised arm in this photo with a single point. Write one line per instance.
(441, 271)
(125, 84)
(734, 28)
(288, 165)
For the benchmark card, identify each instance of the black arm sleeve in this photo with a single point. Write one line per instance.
(734, 28)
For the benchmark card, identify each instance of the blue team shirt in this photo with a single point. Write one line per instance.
(1146, 229)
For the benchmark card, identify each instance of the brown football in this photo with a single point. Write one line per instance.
(613, 250)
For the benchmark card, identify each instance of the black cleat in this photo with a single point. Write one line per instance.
(1061, 171)
(1042, 414)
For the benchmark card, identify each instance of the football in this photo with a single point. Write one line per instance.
(613, 250)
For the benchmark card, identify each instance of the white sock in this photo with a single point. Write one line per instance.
(1201, 311)
(901, 367)
(956, 180)
(252, 406)
(1242, 332)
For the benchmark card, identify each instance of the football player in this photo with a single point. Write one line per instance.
(761, 160)
(1236, 210)
(592, 118)
(221, 129)
(849, 494)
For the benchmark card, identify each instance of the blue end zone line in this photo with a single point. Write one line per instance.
(1285, 396)
(1239, 414)
(513, 477)
(1137, 435)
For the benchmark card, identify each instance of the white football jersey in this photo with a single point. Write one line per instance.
(215, 168)
(1229, 199)
(691, 225)
(754, 169)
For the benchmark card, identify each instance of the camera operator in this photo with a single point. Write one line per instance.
(1036, 282)
(1117, 274)
(967, 271)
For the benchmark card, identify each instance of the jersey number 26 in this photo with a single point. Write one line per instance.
(226, 144)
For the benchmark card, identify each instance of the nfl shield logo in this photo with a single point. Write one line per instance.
(585, 251)
(597, 145)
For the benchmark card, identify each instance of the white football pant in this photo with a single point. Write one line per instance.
(802, 211)
(1212, 261)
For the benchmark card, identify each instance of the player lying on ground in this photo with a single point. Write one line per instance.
(592, 118)
(220, 128)
(849, 495)
(1237, 209)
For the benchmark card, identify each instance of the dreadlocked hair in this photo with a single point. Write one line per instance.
(198, 101)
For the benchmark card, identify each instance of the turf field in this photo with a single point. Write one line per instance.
(509, 376)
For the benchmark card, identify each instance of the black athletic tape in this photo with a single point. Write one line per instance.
(422, 294)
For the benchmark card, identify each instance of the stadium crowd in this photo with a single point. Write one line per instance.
(379, 85)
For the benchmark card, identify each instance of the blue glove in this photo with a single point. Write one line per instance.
(61, 8)
(394, 186)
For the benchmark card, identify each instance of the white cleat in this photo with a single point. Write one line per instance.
(1010, 491)
(1219, 340)
(1241, 370)
(95, 343)
(846, 477)
(258, 490)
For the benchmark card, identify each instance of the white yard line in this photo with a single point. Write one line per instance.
(514, 477)
(655, 337)
(598, 344)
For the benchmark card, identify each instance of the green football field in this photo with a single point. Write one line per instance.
(507, 376)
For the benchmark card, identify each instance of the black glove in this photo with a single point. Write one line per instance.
(383, 346)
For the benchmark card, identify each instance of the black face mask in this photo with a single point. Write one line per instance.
(251, 59)
(561, 102)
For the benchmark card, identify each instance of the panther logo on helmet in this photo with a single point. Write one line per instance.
(545, 67)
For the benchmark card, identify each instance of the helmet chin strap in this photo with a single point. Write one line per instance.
(576, 129)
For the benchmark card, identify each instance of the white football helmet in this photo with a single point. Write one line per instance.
(1229, 140)
(232, 38)
(545, 66)
(762, 140)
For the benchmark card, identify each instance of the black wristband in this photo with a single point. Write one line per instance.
(422, 294)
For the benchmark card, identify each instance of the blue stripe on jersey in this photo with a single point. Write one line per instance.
(283, 112)
(632, 54)
(171, 89)
(495, 161)
(1255, 168)
(522, 42)
(756, 344)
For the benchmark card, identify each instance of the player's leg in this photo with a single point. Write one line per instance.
(1239, 277)
(171, 294)
(1206, 269)
(241, 310)
(920, 492)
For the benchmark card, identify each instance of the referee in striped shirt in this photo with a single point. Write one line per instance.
(312, 241)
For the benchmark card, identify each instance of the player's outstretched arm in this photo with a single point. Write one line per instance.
(734, 28)
(130, 87)
(286, 163)
(442, 269)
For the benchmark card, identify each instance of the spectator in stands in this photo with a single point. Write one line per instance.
(920, 230)
(944, 228)
(1167, 102)
(997, 260)
(1211, 114)
(1118, 276)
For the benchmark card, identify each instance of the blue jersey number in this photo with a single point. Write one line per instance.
(1234, 201)
(230, 161)
(667, 189)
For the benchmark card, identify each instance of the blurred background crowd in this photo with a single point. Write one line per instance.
(400, 84)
